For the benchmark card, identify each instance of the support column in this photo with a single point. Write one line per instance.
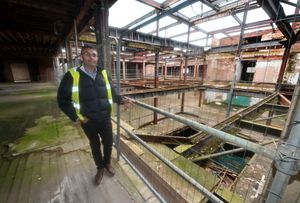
(185, 69)
(166, 70)
(124, 69)
(155, 116)
(76, 38)
(68, 53)
(288, 165)
(195, 70)
(144, 70)
(181, 70)
(137, 71)
(285, 59)
(203, 73)
(102, 34)
(200, 98)
(184, 79)
(238, 64)
(270, 115)
(113, 67)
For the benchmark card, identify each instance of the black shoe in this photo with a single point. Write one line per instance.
(99, 176)
(110, 170)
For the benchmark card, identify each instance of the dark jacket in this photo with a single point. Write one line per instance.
(92, 96)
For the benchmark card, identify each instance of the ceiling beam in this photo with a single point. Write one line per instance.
(275, 11)
(227, 10)
(151, 3)
(147, 15)
(175, 16)
(289, 3)
(238, 27)
(167, 3)
(165, 27)
(152, 40)
(259, 45)
(163, 14)
(217, 2)
(207, 3)
(83, 11)
(237, 19)
(49, 6)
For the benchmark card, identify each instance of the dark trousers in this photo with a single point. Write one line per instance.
(92, 130)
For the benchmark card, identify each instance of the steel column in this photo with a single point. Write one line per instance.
(285, 59)
(124, 69)
(102, 34)
(155, 117)
(288, 165)
(117, 141)
(185, 69)
(238, 64)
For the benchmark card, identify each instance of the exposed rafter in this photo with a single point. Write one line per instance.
(167, 3)
(227, 10)
(147, 15)
(163, 14)
(288, 2)
(275, 12)
(174, 15)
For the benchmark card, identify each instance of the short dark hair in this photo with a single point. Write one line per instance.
(87, 47)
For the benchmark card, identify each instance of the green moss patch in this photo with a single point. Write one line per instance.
(49, 131)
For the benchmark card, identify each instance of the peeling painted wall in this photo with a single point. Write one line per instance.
(266, 70)
(220, 68)
(292, 73)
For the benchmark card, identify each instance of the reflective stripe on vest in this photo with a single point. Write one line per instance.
(75, 90)
(108, 89)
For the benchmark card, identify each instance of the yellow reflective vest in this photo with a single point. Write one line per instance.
(75, 90)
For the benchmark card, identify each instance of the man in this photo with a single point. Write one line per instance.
(86, 96)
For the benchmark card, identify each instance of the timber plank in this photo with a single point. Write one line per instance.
(77, 193)
(35, 187)
(7, 181)
(52, 182)
(3, 169)
(44, 187)
(26, 182)
(17, 182)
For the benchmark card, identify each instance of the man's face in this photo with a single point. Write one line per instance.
(89, 57)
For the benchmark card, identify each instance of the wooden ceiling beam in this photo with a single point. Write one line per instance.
(83, 11)
(48, 6)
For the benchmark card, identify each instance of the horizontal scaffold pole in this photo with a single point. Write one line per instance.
(269, 153)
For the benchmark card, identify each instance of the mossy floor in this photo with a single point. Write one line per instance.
(45, 158)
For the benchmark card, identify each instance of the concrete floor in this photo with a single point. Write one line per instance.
(35, 167)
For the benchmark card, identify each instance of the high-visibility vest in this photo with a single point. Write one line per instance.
(75, 90)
